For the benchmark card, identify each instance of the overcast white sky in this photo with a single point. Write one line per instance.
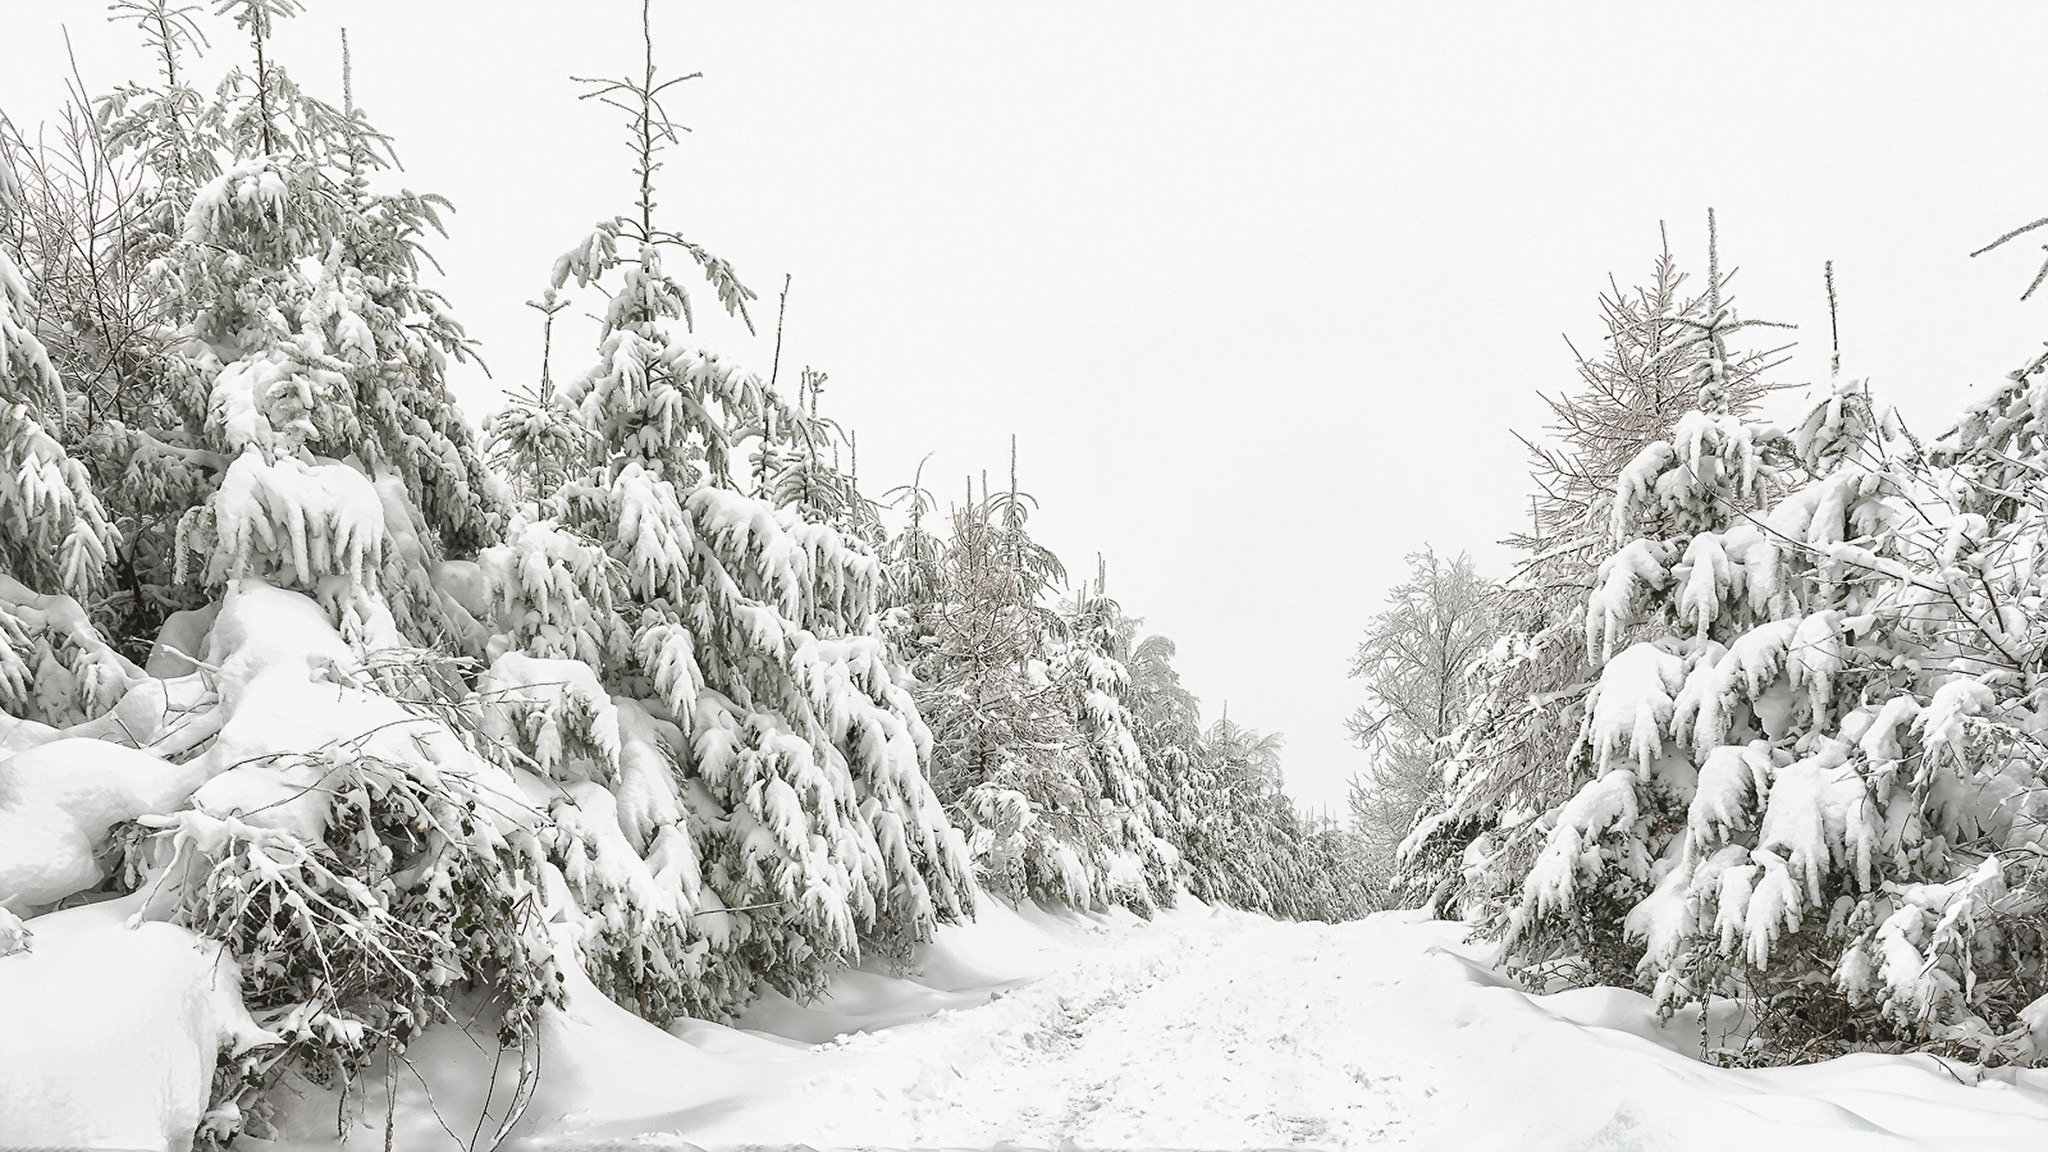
(1262, 288)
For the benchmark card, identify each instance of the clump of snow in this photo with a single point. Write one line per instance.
(289, 521)
(57, 801)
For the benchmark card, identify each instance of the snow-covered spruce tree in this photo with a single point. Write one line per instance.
(1007, 754)
(1143, 868)
(305, 799)
(1416, 659)
(87, 218)
(1192, 771)
(248, 304)
(1861, 854)
(1513, 758)
(1169, 733)
(314, 360)
(1931, 880)
(736, 764)
(1690, 573)
(1036, 747)
(1071, 750)
(1834, 807)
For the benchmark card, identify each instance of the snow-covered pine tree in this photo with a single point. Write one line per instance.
(1856, 827)
(311, 802)
(92, 214)
(1007, 756)
(701, 674)
(1860, 857)
(1142, 866)
(1690, 576)
(1036, 745)
(1513, 759)
(1169, 735)
(313, 360)
(244, 282)
(1239, 849)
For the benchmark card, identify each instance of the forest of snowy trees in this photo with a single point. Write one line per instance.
(638, 684)
(330, 715)
(1757, 715)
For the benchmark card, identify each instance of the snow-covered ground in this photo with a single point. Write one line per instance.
(1204, 1029)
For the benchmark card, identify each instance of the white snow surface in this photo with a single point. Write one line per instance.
(1203, 1029)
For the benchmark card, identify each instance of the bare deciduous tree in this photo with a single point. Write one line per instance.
(1414, 660)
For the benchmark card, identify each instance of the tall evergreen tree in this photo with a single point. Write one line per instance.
(735, 686)
(1142, 866)
(1818, 760)
(1007, 755)
(55, 535)
(1690, 571)
(1515, 756)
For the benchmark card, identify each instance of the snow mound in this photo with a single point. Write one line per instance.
(57, 801)
(146, 1008)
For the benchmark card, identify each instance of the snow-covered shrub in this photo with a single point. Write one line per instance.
(421, 883)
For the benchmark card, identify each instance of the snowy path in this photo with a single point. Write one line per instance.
(1217, 1030)
(1197, 1038)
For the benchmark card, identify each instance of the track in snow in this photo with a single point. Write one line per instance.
(1243, 1039)
(1211, 1031)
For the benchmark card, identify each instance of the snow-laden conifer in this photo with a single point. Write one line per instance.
(247, 284)
(54, 534)
(1142, 867)
(1672, 617)
(1514, 755)
(55, 538)
(1007, 756)
(1816, 780)
(742, 769)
